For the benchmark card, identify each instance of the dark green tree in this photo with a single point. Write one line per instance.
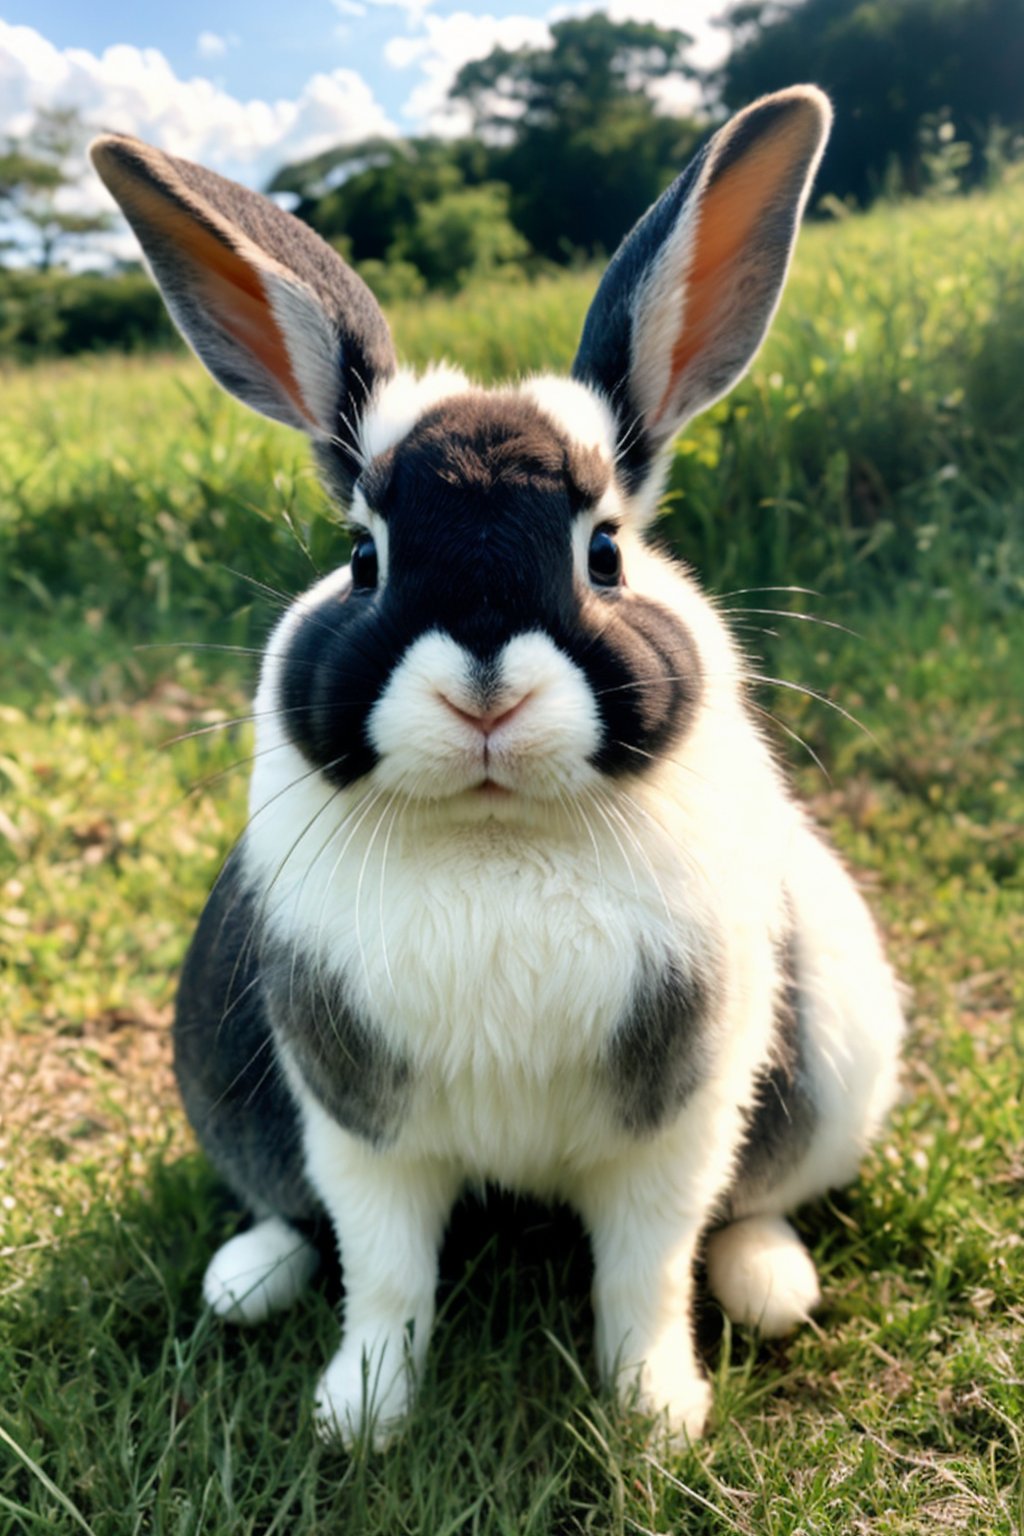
(575, 132)
(894, 68)
(369, 196)
(462, 234)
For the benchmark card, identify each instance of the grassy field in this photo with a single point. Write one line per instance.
(876, 455)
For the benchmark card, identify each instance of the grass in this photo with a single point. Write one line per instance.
(129, 497)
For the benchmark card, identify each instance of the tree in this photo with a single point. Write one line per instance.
(575, 132)
(594, 66)
(370, 194)
(892, 67)
(569, 149)
(391, 205)
(33, 173)
(462, 234)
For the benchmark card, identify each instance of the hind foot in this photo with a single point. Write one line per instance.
(762, 1274)
(258, 1272)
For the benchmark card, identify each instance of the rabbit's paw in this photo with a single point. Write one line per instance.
(364, 1395)
(763, 1275)
(258, 1272)
(680, 1399)
(670, 1388)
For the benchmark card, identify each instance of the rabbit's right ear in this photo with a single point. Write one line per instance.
(690, 293)
(273, 312)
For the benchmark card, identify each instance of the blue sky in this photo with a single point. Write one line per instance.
(245, 88)
(270, 50)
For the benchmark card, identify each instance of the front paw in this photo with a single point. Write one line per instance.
(668, 1389)
(364, 1395)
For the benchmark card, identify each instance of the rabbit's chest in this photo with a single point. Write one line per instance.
(508, 1012)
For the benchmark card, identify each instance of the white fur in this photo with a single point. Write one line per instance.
(578, 410)
(763, 1275)
(411, 884)
(259, 1272)
(427, 751)
(400, 402)
(312, 347)
(492, 902)
(504, 1034)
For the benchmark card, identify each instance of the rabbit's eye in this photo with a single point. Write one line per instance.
(364, 564)
(605, 558)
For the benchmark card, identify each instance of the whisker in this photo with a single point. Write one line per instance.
(822, 698)
(224, 725)
(272, 1066)
(362, 382)
(198, 645)
(639, 683)
(260, 915)
(616, 810)
(359, 889)
(754, 629)
(660, 757)
(268, 1039)
(803, 618)
(203, 645)
(648, 682)
(398, 807)
(628, 438)
(682, 854)
(794, 736)
(242, 762)
(286, 601)
(602, 812)
(571, 805)
(318, 949)
(751, 591)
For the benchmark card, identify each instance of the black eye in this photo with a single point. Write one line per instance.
(604, 558)
(364, 564)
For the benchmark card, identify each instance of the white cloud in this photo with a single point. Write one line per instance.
(210, 45)
(448, 43)
(135, 90)
(696, 17)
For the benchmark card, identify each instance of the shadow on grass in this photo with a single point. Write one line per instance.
(134, 1409)
(129, 1403)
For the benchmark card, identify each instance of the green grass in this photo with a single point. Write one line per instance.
(129, 497)
(877, 439)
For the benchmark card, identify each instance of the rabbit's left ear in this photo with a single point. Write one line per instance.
(274, 313)
(690, 293)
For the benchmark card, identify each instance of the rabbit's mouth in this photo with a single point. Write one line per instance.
(491, 787)
(524, 728)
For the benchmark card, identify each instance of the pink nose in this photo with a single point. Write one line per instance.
(485, 720)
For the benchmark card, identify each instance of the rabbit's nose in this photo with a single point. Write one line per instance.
(486, 720)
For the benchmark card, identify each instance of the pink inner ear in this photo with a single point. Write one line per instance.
(245, 313)
(231, 287)
(726, 221)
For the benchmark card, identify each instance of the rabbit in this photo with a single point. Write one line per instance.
(523, 897)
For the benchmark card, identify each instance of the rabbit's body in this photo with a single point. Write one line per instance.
(523, 898)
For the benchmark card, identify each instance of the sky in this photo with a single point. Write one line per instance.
(245, 88)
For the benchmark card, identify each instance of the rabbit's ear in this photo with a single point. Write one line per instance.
(690, 293)
(274, 313)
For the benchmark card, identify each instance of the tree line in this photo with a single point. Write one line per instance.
(567, 145)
